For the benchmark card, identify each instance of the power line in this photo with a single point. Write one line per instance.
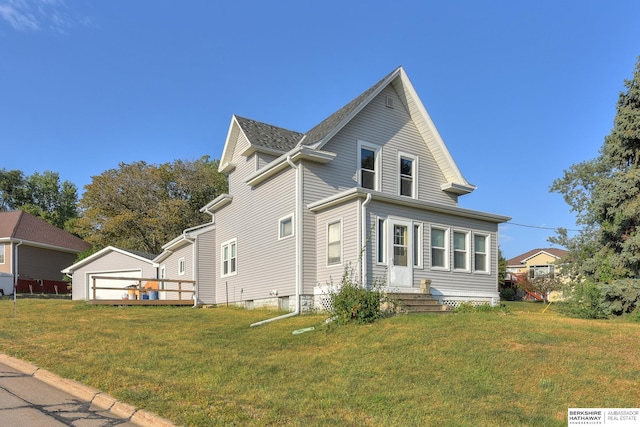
(540, 227)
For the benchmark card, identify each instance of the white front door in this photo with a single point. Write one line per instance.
(400, 256)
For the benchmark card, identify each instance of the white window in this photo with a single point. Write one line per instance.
(481, 251)
(460, 250)
(285, 227)
(163, 271)
(334, 243)
(2, 259)
(541, 271)
(181, 266)
(407, 166)
(229, 258)
(439, 248)
(368, 165)
(381, 241)
(417, 245)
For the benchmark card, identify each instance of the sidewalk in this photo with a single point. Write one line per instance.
(30, 396)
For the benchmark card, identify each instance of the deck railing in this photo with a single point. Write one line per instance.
(135, 293)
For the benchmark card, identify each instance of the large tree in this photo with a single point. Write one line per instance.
(605, 194)
(142, 206)
(42, 195)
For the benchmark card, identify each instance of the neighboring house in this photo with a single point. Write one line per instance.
(536, 263)
(31, 248)
(372, 189)
(109, 262)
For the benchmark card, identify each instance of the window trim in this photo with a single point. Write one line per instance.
(330, 223)
(418, 245)
(486, 253)
(182, 267)
(3, 258)
(446, 248)
(467, 251)
(414, 174)
(229, 243)
(381, 248)
(377, 164)
(293, 228)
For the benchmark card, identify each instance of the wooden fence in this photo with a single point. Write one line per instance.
(145, 291)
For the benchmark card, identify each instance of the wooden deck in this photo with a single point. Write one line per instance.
(184, 302)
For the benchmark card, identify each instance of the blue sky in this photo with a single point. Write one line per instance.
(519, 90)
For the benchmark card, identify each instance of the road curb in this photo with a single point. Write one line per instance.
(83, 392)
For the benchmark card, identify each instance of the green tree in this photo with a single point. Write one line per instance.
(142, 206)
(605, 195)
(42, 195)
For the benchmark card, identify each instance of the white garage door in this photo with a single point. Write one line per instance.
(107, 283)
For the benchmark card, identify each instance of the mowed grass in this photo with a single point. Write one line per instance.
(207, 367)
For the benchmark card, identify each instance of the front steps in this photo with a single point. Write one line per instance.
(418, 303)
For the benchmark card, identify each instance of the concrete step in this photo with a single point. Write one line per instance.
(418, 303)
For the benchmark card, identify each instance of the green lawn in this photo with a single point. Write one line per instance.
(201, 367)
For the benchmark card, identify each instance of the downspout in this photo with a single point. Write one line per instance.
(363, 254)
(194, 272)
(298, 224)
(15, 279)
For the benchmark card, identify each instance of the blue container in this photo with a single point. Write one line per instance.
(145, 296)
(153, 295)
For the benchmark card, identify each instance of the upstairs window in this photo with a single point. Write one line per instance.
(407, 174)
(181, 267)
(2, 246)
(542, 271)
(368, 165)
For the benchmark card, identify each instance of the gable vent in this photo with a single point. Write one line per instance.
(388, 101)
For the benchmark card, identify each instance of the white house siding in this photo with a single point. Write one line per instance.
(263, 159)
(447, 285)
(110, 263)
(264, 263)
(206, 266)
(348, 214)
(171, 265)
(394, 131)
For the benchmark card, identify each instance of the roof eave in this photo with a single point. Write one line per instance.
(281, 163)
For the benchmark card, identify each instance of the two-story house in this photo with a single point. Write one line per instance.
(372, 188)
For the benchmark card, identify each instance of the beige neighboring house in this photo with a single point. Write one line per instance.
(31, 248)
(534, 264)
(537, 263)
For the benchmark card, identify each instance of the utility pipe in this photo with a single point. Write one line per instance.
(298, 222)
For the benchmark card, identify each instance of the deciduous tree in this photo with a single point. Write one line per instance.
(142, 206)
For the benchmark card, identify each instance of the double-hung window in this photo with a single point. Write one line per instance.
(460, 251)
(439, 253)
(480, 251)
(368, 165)
(334, 243)
(417, 245)
(181, 266)
(381, 241)
(2, 246)
(407, 166)
(229, 258)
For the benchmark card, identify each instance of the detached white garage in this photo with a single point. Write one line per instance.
(109, 262)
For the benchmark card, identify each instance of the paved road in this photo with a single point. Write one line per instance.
(32, 397)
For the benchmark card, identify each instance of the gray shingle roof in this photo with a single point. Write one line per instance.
(269, 136)
(278, 138)
(322, 129)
